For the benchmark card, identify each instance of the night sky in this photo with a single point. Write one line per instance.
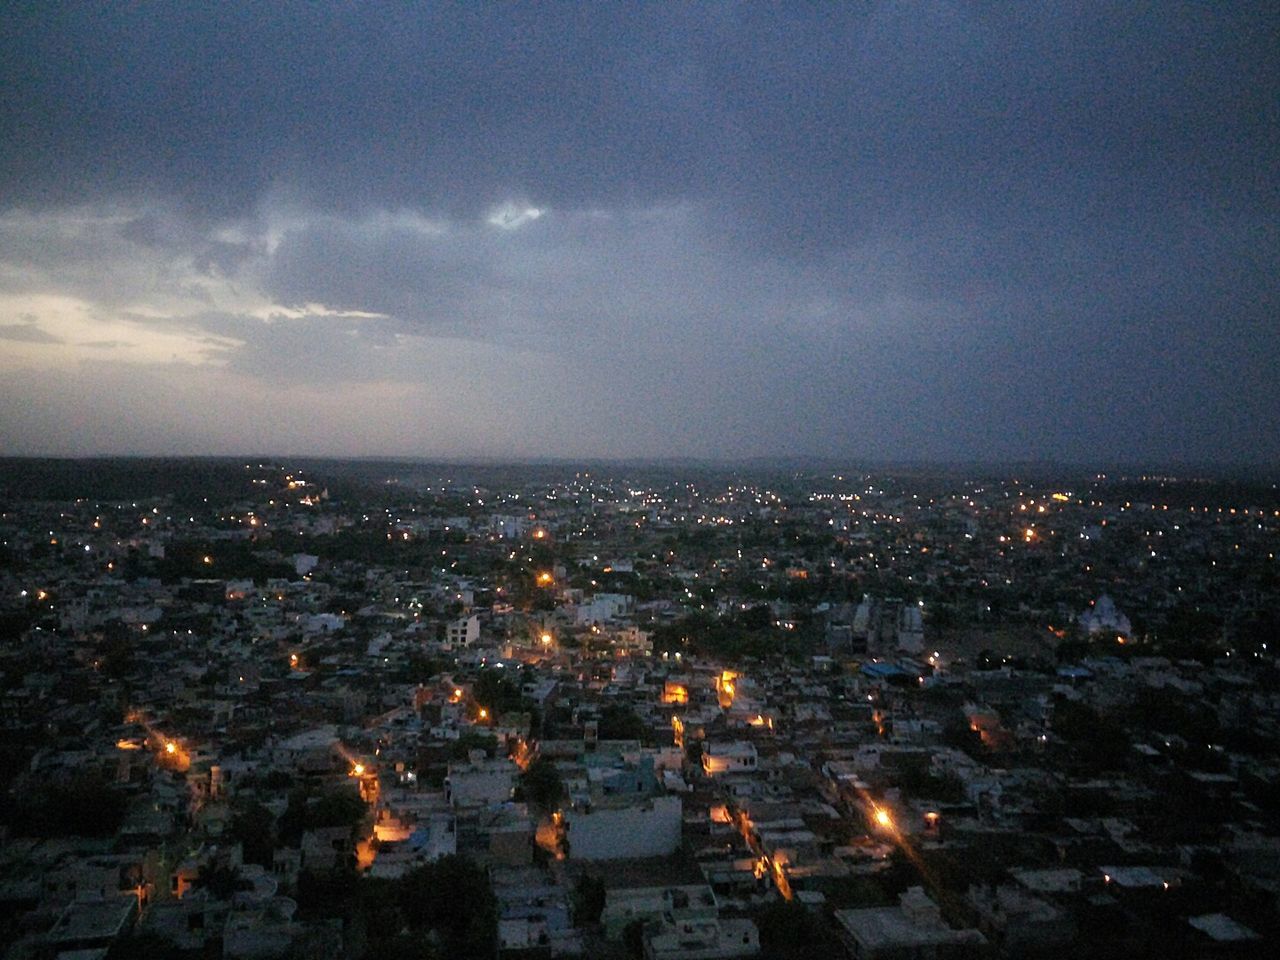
(987, 231)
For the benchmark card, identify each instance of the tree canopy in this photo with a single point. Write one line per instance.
(542, 785)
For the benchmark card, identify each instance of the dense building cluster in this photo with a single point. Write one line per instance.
(379, 710)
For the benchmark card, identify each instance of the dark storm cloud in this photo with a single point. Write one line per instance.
(438, 106)
(826, 120)
(951, 229)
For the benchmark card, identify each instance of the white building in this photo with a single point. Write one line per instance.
(1104, 617)
(602, 607)
(910, 629)
(480, 784)
(464, 632)
(739, 756)
(649, 828)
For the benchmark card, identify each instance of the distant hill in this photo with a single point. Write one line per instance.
(124, 478)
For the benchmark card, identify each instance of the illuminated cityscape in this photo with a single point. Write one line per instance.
(688, 711)
(522, 481)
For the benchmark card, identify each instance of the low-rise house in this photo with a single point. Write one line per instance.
(738, 756)
(702, 940)
(1019, 923)
(675, 904)
(913, 930)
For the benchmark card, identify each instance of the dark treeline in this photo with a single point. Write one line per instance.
(187, 480)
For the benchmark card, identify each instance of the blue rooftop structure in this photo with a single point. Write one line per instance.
(883, 671)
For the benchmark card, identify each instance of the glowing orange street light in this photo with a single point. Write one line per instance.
(883, 819)
(170, 747)
(545, 579)
(357, 770)
(484, 714)
(546, 638)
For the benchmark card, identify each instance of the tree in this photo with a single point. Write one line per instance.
(335, 809)
(327, 893)
(83, 806)
(461, 748)
(1188, 628)
(633, 939)
(452, 899)
(495, 691)
(920, 784)
(320, 942)
(219, 879)
(621, 723)
(1101, 743)
(308, 812)
(253, 825)
(292, 822)
(588, 900)
(789, 930)
(543, 786)
(957, 732)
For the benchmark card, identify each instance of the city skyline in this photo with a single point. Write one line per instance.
(883, 232)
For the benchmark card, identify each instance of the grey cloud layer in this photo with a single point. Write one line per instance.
(956, 229)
